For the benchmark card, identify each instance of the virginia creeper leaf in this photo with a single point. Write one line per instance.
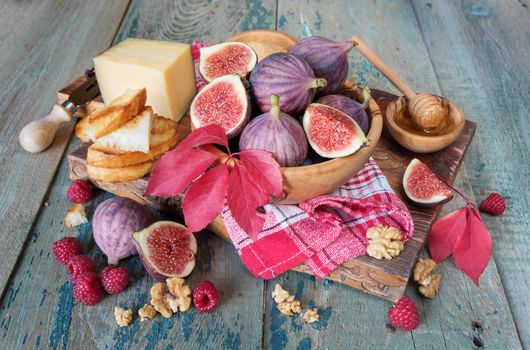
(204, 199)
(203, 136)
(244, 198)
(473, 248)
(177, 169)
(264, 169)
(444, 234)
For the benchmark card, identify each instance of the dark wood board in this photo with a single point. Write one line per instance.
(384, 278)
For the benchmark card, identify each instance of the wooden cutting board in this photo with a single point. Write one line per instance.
(384, 278)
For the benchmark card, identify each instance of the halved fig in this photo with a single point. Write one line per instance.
(167, 249)
(225, 59)
(332, 133)
(423, 187)
(223, 102)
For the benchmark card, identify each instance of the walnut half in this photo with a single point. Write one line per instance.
(159, 299)
(384, 242)
(181, 300)
(146, 312)
(429, 282)
(311, 315)
(123, 317)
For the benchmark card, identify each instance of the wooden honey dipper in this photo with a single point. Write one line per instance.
(426, 109)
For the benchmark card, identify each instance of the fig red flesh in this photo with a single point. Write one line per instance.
(226, 58)
(223, 102)
(422, 186)
(167, 249)
(331, 132)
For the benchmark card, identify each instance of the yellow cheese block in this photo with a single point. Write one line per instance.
(163, 68)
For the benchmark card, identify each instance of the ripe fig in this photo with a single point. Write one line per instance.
(423, 187)
(223, 102)
(278, 133)
(287, 76)
(332, 133)
(113, 224)
(351, 107)
(328, 58)
(225, 59)
(167, 249)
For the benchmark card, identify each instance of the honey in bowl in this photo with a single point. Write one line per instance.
(403, 119)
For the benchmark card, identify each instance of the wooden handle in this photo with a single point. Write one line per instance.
(39, 134)
(383, 68)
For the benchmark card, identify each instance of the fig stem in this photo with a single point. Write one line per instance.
(318, 82)
(468, 202)
(275, 107)
(366, 97)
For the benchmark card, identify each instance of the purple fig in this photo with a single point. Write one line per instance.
(278, 133)
(351, 107)
(328, 58)
(287, 76)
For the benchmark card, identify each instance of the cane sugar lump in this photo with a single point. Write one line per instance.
(163, 68)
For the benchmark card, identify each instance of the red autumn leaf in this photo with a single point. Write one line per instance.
(204, 199)
(264, 169)
(473, 248)
(177, 169)
(244, 198)
(203, 136)
(444, 234)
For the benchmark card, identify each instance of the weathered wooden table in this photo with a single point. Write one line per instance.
(474, 52)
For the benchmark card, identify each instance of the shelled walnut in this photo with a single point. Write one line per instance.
(146, 312)
(311, 315)
(181, 294)
(384, 242)
(279, 294)
(159, 299)
(123, 317)
(429, 282)
(289, 308)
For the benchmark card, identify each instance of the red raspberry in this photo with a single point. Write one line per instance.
(114, 279)
(87, 289)
(404, 314)
(78, 265)
(79, 192)
(65, 248)
(205, 296)
(493, 204)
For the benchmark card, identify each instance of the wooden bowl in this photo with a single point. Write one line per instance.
(305, 182)
(271, 37)
(419, 143)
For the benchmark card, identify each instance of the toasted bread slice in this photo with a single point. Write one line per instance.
(134, 136)
(115, 114)
(83, 131)
(128, 173)
(164, 136)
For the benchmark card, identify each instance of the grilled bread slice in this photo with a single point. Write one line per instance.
(127, 173)
(164, 136)
(113, 116)
(134, 136)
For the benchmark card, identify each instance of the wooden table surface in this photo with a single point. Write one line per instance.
(473, 52)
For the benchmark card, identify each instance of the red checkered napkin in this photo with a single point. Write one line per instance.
(322, 232)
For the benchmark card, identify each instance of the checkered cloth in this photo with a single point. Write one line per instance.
(322, 232)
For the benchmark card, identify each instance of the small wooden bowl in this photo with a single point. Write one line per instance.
(271, 37)
(420, 143)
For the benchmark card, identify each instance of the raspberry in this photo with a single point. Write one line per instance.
(87, 289)
(404, 314)
(65, 248)
(205, 296)
(78, 265)
(493, 204)
(114, 279)
(79, 192)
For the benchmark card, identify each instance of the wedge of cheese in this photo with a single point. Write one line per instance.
(163, 68)
(132, 137)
